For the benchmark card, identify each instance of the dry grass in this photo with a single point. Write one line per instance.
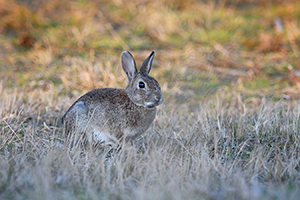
(220, 150)
(229, 72)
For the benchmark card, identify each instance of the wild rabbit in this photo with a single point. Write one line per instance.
(110, 115)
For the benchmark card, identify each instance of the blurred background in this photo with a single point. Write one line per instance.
(245, 47)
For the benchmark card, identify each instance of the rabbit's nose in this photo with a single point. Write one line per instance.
(157, 88)
(159, 99)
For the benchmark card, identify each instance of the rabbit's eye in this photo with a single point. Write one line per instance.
(141, 84)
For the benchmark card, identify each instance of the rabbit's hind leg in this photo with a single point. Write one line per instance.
(76, 123)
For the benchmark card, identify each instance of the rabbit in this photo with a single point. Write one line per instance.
(111, 115)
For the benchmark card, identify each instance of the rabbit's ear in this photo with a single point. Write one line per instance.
(128, 64)
(146, 66)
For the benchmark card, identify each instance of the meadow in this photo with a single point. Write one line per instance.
(229, 127)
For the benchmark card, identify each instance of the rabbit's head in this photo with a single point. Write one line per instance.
(141, 88)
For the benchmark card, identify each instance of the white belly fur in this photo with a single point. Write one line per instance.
(101, 137)
(129, 132)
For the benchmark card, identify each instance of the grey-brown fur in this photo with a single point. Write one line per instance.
(110, 114)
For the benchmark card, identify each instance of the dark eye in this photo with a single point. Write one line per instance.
(141, 84)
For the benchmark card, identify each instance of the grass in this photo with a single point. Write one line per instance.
(228, 127)
(218, 151)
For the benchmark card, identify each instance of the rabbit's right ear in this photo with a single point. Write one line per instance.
(128, 64)
(146, 66)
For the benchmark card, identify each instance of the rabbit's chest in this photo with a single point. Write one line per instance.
(137, 123)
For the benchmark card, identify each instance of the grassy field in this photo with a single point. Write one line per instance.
(229, 127)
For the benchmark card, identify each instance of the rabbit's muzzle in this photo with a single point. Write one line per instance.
(157, 100)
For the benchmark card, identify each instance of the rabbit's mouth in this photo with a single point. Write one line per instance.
(150, 105)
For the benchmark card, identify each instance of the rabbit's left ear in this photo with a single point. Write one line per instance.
(146, 66)
(128, 64)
